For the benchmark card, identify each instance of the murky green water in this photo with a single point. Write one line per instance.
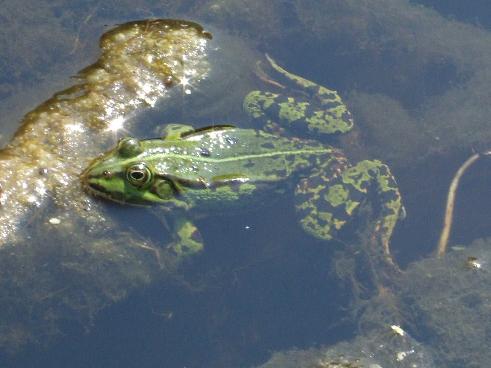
(417, 82)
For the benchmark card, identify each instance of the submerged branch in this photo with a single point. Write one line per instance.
(452, 192)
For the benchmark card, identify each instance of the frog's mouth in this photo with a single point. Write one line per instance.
(100, 191)
(96, 189)
(91, 184)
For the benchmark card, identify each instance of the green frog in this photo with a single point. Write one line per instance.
(210, 169)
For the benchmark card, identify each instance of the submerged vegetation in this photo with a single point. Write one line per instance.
(58, 263)
(418, 85)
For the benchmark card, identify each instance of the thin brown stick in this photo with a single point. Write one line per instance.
(452, 192)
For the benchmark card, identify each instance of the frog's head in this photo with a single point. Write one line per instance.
(124, 175)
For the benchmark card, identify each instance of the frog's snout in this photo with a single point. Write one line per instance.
(88, 183)
(91, 178)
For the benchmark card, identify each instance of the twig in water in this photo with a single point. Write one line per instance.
(452, 192)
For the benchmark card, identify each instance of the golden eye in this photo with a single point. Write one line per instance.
(139, 175)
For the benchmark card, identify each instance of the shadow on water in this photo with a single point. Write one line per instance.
(260, 286)
(478, 13)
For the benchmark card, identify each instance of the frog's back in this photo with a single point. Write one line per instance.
(215, 156)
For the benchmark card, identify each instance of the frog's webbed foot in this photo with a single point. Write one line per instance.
(326, 204)
(188, 240)
(317, 109)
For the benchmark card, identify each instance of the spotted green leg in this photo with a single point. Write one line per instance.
(317, 109)
(326, 203)
(333, 192)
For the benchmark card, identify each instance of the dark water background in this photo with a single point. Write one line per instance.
(261, 286)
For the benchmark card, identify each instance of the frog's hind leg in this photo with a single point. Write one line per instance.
(325, 95)
(326, 204)
(320, 110)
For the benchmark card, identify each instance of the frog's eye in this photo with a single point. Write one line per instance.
(129, 147)
(139, 175)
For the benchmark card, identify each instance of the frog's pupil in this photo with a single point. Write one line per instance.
(137, 175)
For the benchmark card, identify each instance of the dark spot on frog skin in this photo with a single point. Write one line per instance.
(281, 173)
(196, 236)
(249, 164)
(388, 196)
(274, 109)
(290, 158)
(43, 171)
(267, 145)
(314, 182)
(204, 152)
(301, 197)
(331, 105)
(347, 116)
(329, 96)
(384, 170)
(303, 212)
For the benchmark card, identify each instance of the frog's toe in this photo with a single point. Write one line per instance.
(189, 240)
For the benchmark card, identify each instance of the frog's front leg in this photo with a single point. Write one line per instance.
(316, 109)
(187, 238)
(326, 204)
